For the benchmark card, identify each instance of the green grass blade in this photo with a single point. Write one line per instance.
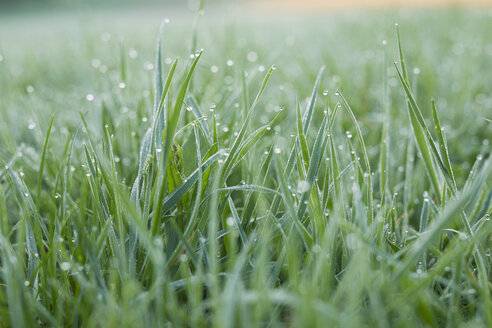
(308, 114)
(41, 165)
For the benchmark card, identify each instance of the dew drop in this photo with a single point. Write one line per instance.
(252, 56)
(133, 53)
(303, 186)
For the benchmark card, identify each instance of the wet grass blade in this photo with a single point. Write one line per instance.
(308, 114)
(183, 188)
(42, 164)
(368, 173)
(317, 154)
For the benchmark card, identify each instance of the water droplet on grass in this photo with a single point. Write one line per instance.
(30, 89)
(96, 63)
(214, 69)
(89, 97)
(303, 186)
(122, 85)
(252, 56)
(148, 66)
(133, 53)
(230, 62)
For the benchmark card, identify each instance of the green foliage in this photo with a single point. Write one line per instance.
(174, 198)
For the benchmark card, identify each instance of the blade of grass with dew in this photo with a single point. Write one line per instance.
(368, 175)
(238, 140)
(443, 145)
(302, 139)
(172, 121)
(41, 165)
(159, 118)
(289, 203)
(317, 153)
(308, 114)
(183, 188)
(199, 115)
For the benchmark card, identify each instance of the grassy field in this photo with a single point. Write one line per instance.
(304, 171)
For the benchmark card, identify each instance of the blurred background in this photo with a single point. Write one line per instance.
(278, 4)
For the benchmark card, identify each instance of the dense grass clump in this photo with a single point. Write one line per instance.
(281, 178)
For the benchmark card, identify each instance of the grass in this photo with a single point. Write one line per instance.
(294, 177)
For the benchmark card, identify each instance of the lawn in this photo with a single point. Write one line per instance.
(170, 168)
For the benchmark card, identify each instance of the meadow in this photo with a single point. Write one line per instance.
(225, 169)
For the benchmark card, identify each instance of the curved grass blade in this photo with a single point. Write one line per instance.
(172, 122)
(160, 119)
(183, 188)
(239, 139)
(43, 158)
(289, 203)
(308, 114)
(199, 115)
(317, 154)
(368, 176)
